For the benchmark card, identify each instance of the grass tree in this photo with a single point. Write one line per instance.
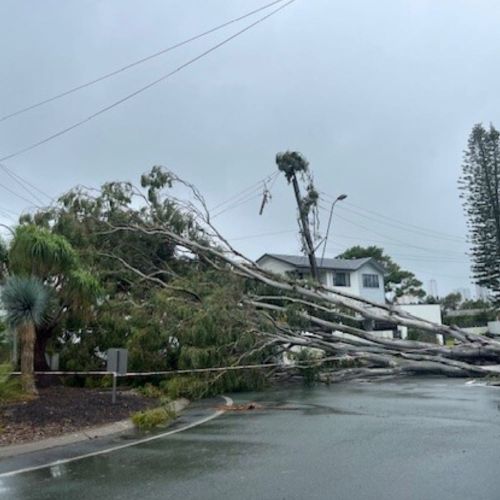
(25, 301)
(37, 251)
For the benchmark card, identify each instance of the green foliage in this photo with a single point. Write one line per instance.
(25, 300)
(480, 192)
(10, 386)
(151, 391)
(37, 251)
(398, 282)
(148, 420)
(451, 302)
(422, 336)
(294, 316)
(476, 304)
(190, 317)
(469, 321)
(309, 365)
(188, 387)
(291, 163)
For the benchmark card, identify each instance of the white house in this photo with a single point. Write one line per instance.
(361, 277)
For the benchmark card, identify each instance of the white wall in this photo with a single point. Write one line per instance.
(356, 288)
(373, 294)
(429, 312)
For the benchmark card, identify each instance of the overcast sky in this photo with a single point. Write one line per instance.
(379, 96)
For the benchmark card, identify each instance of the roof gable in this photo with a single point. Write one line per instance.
(301, 261)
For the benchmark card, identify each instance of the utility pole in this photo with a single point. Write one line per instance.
(290, 163)
(305, 230)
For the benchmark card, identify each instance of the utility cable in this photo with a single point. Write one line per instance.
(402, 223)
(136, 63)
(21, 183)
(146, 87)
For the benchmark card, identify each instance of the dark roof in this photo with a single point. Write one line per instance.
(301, 261)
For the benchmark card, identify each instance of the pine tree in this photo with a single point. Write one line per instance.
(480, 186)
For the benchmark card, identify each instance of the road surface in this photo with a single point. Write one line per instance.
(412, 439)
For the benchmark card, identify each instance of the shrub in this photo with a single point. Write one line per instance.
(10, 387)
(151, 391)
(309, 365)
(147, 420)
(184, 387)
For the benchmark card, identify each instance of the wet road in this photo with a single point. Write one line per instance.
(418, 439)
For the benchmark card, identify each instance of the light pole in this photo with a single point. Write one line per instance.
(339, 198)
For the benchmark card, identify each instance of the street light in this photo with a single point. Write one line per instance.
(339, 198)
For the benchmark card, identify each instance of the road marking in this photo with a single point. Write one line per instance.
(216, 414)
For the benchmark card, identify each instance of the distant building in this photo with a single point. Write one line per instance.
(482, 293)
(432, 288)
(361, 277)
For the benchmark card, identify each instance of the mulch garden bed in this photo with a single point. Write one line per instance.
(59, 410)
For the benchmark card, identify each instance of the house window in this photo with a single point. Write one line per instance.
(342, 279)
(370, 281)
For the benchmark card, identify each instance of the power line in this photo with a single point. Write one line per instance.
(402, 227)
(390, 243)
(16, 194)
(426, 249)
(271, 233)
(21, 183)
(431, 273)
(8, 210)
(20, 179)
(430, 259)
(137, 62)
(253, 187)
(237, 204)
(146, 87)
(405, 225)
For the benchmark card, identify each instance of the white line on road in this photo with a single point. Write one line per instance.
(228, 400)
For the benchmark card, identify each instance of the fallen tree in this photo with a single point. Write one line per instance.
(312, 315)
(146, 240)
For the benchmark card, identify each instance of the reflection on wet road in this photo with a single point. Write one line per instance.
(417, 439)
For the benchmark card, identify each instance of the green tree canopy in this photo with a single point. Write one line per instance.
(83, 231)
(398, 282)
(40, 253)
(480, 192)
(452, 301)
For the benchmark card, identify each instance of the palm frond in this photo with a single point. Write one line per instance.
(36, 249)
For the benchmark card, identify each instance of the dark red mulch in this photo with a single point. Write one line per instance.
(60, 409)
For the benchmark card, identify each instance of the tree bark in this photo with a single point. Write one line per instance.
(27, 335)
(305, 230)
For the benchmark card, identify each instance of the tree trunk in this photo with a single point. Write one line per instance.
(305, 231)
(27, 336)
(42, 339)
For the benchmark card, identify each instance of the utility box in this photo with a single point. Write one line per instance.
(117, 361)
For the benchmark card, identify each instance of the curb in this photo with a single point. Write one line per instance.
(78, 436)
(37, 465)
